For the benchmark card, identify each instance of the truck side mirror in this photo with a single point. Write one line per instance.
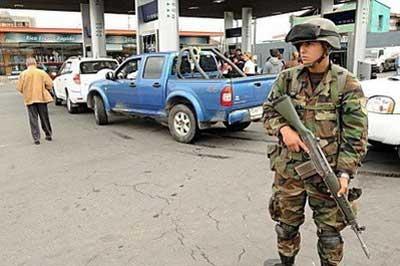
(110, 75)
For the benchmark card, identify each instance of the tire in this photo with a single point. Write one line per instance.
(237, 126)
(100, 113)
(182, 123)
(70, 108)
(57, 101)
(379, 146)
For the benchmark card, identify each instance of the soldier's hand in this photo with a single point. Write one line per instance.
(344, 186)
(292, 140)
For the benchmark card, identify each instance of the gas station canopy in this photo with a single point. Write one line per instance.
(193, 8)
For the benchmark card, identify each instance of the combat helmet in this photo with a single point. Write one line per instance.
(316, 29)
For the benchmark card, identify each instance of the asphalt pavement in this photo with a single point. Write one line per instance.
(128, 194)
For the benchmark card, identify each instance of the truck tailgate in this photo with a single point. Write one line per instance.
(251, 91)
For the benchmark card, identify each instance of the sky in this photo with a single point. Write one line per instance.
(52, 19)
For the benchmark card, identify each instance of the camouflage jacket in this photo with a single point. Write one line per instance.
(334, 111)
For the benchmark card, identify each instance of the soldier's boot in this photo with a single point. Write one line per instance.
(330, 247)
(288, 243)
(286, 261)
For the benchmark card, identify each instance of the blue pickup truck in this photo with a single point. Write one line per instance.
(183, 89)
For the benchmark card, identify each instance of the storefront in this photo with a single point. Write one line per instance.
(54, 46)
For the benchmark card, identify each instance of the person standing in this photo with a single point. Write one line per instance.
(397, 64)
(294, 61)
(249, 67)
(330, 102)
(238, 59)
(35, 86)
(274, 64)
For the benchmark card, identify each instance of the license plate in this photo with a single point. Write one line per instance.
(256, 112)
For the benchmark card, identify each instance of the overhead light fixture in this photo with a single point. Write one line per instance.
(307, 7)
(218, 1)
(19, 6)
(193, 7)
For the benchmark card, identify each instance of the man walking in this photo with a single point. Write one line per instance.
(35, 86)
(274, 64)
(330, 103)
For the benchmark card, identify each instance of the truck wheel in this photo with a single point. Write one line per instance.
(70, 108)
(182, 123)
(100, 113)
(57, 101)
(379, 146)
(237, 126)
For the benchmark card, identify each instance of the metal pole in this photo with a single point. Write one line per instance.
(326, 6)
(360, 33)
(86, 40)
(97, 28)
(253, 51)
(228, 24)
(246, 28)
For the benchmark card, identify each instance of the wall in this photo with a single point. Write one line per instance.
(378, 9)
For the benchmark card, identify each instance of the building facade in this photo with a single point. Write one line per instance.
(6, 20)
(56, 45)
(395, 22)
(344, 17)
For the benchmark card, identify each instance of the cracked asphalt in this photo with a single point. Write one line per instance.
(127, 194)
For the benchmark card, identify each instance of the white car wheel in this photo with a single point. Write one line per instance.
(70, 108)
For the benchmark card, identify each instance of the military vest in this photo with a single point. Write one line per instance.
(320, 111)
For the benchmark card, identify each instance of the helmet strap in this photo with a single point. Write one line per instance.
(326, 53)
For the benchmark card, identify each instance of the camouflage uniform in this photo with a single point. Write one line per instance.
(335, 113)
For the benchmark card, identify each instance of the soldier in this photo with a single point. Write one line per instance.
(330, 102)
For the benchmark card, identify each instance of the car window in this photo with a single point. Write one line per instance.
(129, 69)
(61, 68)
(67, 68)
(92, 67)
(153, 68)
(207, 63)
(52, 68)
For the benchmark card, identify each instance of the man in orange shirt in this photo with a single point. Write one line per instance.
(35, 86)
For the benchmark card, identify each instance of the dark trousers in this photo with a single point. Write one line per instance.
(35, 110)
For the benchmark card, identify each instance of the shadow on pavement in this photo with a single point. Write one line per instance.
(381, 162)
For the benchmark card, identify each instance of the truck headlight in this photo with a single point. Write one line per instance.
(380, 104)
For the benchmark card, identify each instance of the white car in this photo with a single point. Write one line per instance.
(383, 111)
(75, 76)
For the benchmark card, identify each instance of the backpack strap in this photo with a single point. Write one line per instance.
(292, 82)
(340, 74)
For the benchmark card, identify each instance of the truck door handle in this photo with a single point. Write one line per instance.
(132, 84)
(257, 84)
(156, 85)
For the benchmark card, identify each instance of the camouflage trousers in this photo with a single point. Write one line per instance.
(287, 209)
